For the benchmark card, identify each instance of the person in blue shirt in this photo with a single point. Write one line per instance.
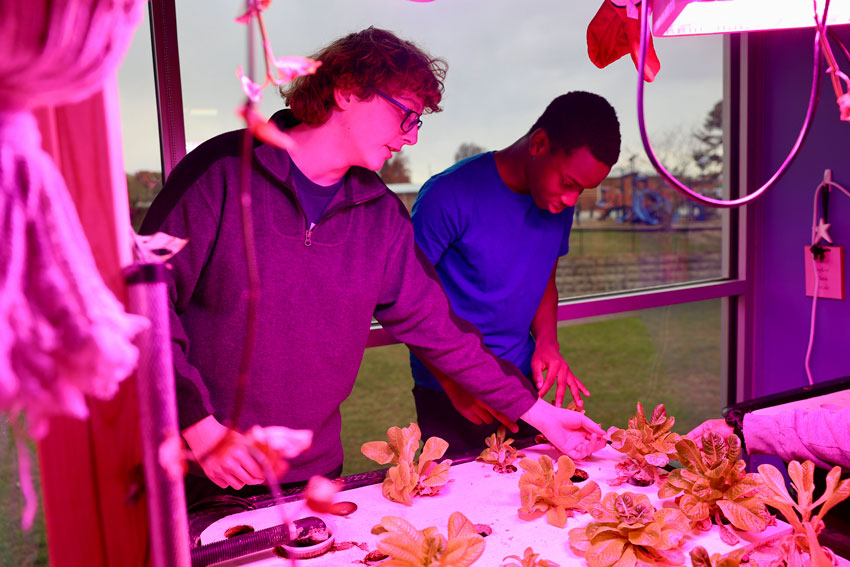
(494, 226)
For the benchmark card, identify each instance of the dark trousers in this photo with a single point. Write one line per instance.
(437, 417)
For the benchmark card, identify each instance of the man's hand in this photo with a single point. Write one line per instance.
(547, 356)
(571, 432)
(711, 426)
(472, 408)
(227, 463)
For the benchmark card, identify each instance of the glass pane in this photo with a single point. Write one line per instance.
(668, 355)
(609, 254)
(381, 398)
(139, 132)
(505, 65)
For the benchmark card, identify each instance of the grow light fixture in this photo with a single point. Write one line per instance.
(698, 17)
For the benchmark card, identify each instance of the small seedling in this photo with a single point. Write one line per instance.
(500, 452)
(648, 446)
(543, 490)
(409, 477)
(528, 559)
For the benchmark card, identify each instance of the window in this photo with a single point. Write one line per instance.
(139, 133)
(632, 233)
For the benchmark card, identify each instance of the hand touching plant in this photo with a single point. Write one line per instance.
(543, 490)
(714, 485)
(648, 445)
(408, 547)
(409, 477)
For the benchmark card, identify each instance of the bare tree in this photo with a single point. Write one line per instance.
(709, 152)
(468, 149)
(395, 170)
(673, 149)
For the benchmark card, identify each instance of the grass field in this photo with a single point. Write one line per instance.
(17, 547)
(668, 355)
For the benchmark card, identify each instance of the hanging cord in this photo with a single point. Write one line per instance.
(687, 191)
(827, 184)
(253, 292)
(834, 37)
(842, 97)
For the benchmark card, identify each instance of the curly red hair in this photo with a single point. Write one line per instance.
(360, 62)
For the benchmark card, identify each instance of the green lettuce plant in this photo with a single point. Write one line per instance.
(408, 547)
(528, 559)
(543, 490)
(714, 485)
(499, 452)
(628, 530)
(410, 477)
(648, 444)
(801, 547)
(700, 558)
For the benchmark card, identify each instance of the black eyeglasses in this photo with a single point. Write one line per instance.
(411, 117)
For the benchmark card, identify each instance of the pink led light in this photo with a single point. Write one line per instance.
(698, 17)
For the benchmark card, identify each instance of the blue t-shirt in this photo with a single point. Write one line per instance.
(314, 197)
(494, 251)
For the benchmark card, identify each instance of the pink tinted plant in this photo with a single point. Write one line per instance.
(499, 452)
(714, 485)
(408, 547)
(628, 530)
(801, 547)
(410, 477)
(279, 71)
(528, 559)
(648, 444)
(543, 490)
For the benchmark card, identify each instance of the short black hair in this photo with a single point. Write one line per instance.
(582, 119)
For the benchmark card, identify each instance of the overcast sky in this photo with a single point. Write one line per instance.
(507, 60)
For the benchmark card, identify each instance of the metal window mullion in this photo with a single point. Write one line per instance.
(746, 308)
(169, 96)
(733, 308)
(616, 303)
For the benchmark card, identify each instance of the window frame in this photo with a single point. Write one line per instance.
(734, 287)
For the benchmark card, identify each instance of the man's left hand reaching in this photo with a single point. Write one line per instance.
(547, 356)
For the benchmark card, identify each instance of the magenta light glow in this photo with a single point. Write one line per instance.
(698, 17)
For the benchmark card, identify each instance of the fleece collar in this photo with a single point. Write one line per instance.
(360, 184)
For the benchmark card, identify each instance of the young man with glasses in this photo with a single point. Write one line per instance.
(334, 247)
(494, 226)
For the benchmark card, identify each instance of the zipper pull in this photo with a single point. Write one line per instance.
(308, 236)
